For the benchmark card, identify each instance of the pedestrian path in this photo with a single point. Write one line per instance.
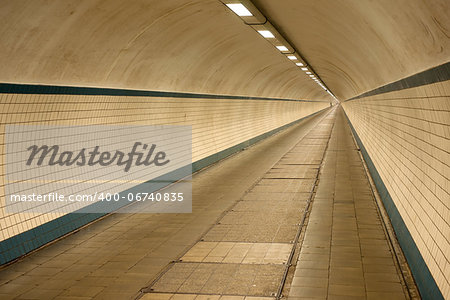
(345, 253)
(248, 252)
(291, 217)
(117, 256)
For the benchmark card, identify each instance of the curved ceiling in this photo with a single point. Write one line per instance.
(201, 46)
(171, 45)
(356, 46)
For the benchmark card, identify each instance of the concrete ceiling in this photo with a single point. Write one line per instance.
(201, 46)
(195, 46)
(358, 45)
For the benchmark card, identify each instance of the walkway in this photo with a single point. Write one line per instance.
(345, 253)
(244, 233)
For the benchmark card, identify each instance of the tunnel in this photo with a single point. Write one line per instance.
(225, 149)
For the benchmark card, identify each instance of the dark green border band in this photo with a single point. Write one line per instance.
(425, 282)
(433, 75)
(25, 242)
(34, 89)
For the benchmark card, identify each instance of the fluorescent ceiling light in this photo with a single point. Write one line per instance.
(311, 76)
(266, 33)
(292, 57)
(304, 69)
(300, 65)
(308, 73)
(239, 9)
(282, 48)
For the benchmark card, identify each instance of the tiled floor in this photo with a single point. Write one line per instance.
(162, 296)
(238, 242)
(247, 252)
(260, 280)
(116, 257)
(240, 253)
(345, 252)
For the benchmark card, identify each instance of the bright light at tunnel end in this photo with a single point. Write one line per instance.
(239, 9)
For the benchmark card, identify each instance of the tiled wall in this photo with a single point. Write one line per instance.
(407, 136)
(217, 125)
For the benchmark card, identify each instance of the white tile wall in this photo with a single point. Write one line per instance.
(407, 135)
(216, 125)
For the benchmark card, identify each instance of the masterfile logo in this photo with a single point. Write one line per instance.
(94, 157)
(98, 169)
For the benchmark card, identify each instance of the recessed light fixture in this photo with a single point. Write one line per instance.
(258, 22)
(266, 33)
(239, 9)
(282, 48)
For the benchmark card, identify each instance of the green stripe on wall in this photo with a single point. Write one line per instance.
(433, 75)
(9, 88)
